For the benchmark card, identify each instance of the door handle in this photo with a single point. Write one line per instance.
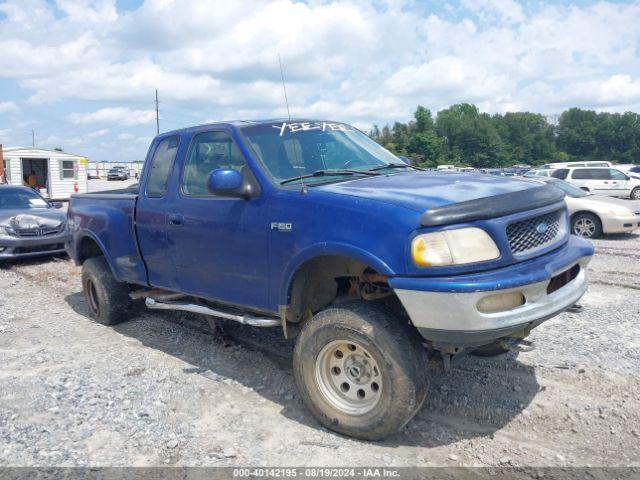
(606, 182)
(176, 219)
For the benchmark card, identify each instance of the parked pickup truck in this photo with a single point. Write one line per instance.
(370, 263)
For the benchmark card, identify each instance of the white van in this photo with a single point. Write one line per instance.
(590, 163)
(601, 181)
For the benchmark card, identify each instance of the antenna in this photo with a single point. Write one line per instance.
(284, 88)
(157, 115)
(303, 189)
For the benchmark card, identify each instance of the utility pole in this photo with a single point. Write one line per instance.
(157, 115)
(33, 138)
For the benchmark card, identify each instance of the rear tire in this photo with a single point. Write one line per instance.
(360, 371)
(635, 194)
(586, 225)
(108, 299)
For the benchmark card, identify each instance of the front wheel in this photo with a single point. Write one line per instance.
(586, 225)
(635, 194)
(360, 371)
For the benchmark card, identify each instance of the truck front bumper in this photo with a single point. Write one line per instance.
(473, 310)
(22, 247)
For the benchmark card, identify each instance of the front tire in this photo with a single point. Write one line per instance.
(586, 225)
(360, 371)
(635, 194)
(108, 300)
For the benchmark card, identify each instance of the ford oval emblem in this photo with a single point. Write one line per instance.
(542, 228)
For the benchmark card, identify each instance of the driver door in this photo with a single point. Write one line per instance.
(619, 183)
(219, 244)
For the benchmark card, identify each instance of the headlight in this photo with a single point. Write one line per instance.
(620, 211)
(453, 247)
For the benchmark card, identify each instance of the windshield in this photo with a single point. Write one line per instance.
(20, 199)
(569, 189)
(291, 149)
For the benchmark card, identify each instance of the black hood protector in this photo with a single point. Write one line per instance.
(492, 207)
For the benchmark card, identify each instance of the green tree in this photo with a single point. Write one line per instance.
(471, 135)
(526, 137)
(426, 148)
(577, 131)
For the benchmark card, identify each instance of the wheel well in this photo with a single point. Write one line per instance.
(321, 281)
(575, 214)
(88, 248)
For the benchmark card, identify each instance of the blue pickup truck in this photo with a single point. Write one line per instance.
(371, 264)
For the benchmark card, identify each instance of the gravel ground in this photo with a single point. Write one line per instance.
(162, 389)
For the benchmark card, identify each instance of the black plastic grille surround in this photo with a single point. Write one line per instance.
(535, 232)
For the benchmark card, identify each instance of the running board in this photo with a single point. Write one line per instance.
(195, 308)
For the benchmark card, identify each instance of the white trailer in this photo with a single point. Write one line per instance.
(56, 175)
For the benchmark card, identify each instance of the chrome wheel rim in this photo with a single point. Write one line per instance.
(348, 377)
(636, 194)
(584, 227)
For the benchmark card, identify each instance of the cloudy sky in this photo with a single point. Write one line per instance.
(82, 73)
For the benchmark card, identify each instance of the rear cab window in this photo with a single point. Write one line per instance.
(160, 167)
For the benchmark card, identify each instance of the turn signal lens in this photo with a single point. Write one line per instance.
(453, 247)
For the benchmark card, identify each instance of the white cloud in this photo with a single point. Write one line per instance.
(8, 107)
(98, 133)
(125, 136)
(114, 115)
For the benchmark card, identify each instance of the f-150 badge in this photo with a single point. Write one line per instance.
(281, 226)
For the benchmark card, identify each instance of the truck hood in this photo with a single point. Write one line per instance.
(421, 191)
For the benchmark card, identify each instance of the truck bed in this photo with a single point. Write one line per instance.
(108, 218)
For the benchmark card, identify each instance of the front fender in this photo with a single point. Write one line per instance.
(326, 249)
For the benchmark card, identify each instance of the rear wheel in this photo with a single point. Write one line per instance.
(360, 371)
(635, 194)
(108, 300)
(586, 225)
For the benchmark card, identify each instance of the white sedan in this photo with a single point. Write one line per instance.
(594, 215)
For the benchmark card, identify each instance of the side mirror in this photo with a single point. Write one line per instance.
(56, 204)
(404, 159)
(226, 182)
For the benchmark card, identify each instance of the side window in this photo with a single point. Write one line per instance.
(617, 174)
(67, 169)
(209, 151)
(161, 167)
(560, 173)
(583, 174)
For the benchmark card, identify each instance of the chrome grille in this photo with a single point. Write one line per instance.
(533, 233)
(38, 232)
